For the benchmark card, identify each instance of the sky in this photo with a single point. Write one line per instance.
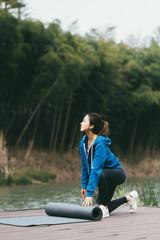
(139, 18)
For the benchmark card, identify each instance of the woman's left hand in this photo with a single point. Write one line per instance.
(87, 202)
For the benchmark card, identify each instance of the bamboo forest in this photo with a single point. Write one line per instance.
(49, 78)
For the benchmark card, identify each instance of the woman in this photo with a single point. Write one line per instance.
(100, 167)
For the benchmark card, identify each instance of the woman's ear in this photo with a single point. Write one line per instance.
(91, 126)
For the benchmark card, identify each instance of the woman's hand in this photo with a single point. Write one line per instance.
(87, 202)
(83, 193)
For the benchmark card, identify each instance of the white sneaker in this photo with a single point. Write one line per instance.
(133, 202)
(105, 211)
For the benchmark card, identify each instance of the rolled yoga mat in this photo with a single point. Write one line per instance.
(59, 213)
(73, 211)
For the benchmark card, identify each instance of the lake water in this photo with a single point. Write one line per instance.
(37, 196)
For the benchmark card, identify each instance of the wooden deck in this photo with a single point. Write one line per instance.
(144, 224)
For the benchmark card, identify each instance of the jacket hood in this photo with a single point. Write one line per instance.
(100, 139)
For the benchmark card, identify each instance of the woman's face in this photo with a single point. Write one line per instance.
(85, 125)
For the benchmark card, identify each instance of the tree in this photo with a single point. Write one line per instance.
(12, 4)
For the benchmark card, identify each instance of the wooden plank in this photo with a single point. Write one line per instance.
(144, 224)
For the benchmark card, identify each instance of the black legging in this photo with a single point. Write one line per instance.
(108, 181)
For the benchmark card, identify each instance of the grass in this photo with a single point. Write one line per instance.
(148, 190)
(149, 195)
(23, 179)
(43, 176)
(3, 156)
(26, 177)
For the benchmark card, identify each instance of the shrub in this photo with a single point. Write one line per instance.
(43, 176)
(23, 180)
(9, 180)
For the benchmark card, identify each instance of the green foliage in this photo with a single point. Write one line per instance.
(2, 181)
(23, 180)
(20, 179)
(148, 192)
(27, 176)
(91, 73)
(6, 180)
(9, 180)
(149, 195)
(43, 176)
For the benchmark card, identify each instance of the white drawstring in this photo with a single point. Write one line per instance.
(84, 149)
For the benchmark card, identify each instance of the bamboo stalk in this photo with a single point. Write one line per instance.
(35, 110)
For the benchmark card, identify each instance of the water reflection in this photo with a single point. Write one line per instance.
(37, 196)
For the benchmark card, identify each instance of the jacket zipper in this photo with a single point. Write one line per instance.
(86, 156)
(91, 149)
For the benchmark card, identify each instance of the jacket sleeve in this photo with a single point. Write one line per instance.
(84, 176)
(96, 168)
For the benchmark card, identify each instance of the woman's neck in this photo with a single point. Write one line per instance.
(91, 136)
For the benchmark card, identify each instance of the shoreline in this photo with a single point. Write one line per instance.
(44, 166)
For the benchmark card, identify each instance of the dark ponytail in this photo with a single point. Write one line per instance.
(105, 129)
(100, 126)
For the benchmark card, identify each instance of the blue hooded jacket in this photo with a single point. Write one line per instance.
(93, 162)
